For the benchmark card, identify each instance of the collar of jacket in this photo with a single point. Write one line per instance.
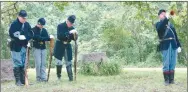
(38, 28)
(66, 24)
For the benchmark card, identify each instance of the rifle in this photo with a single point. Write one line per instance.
(51, 54)
(31, 34)
(27, 64)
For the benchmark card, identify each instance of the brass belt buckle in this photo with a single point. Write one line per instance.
(41, 42)
(65, 42)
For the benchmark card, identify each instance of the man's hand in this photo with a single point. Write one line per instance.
(28, 45)
(16, 34)
(73, 31)
(8, 40)
(51, 37)
(22, 37)
(179, 49)
(168, 15)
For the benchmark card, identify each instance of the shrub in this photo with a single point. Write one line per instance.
(101, 68)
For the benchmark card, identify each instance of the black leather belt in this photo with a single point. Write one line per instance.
(166, 39)
(64, 42)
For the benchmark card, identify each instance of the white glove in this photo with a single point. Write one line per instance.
(28, 45)
(8, 40)
(73, 31)
(22, 37)
(16, 34)
(51, 36)
(179, 49)
(168, 15)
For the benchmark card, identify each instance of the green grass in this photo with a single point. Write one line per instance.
(127, 81)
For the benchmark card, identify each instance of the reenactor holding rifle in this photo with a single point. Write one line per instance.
(39, 49)
(65, 33)
(20, 33)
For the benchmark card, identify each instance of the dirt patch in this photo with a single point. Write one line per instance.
(6, 70)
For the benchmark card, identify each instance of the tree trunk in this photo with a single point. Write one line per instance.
(187, 39)
(0, 34)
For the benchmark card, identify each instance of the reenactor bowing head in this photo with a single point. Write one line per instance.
(41, 22)
(22, 16)
(162, 14)
(70, 20)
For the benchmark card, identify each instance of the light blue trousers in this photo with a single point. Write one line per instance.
(18, 58)
(40, 63)
(169, 58)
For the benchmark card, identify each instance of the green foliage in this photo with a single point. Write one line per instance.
(89, 69)
(110, 68)
(61, 5)
(102, 68)
(124, 30)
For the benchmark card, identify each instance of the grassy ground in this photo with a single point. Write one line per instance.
(131, 80)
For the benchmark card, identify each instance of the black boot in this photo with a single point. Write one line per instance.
(17, 76)
(166, 77)
(171, 77)
(58, 69)
(22, 75)
(69, 72)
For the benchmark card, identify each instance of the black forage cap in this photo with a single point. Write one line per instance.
(42, 21)
(160, 11)
(22, 13)
(72, 18)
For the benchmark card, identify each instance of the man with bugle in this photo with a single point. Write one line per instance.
(169, 45)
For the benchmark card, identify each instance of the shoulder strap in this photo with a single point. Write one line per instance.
(22, 27)
(41, 31)
(166, 31)
(172, 33)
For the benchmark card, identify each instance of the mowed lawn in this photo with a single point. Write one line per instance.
(130, 80)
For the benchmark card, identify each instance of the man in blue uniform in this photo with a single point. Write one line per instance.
(169, 45)
(39, 49)
(20, 33)
(65, 33)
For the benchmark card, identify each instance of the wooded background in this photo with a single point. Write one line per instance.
(124, 30)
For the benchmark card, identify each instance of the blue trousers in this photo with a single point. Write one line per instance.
(18, 58)
(169, 58)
